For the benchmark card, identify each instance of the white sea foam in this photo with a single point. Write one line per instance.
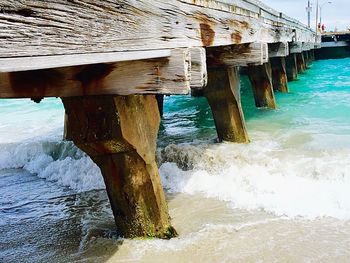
(60, 162)
(263, 176)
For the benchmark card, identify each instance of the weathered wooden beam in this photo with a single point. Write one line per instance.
(317, 46)
(279, 49)
(308, 46)
(291, 67)
(237, 55)
(59, 61)
(170, 75)
(279, 74)
(45, 28)
(301, 62)
(265, 55)
(295, 47)
(261, 80)
(304, 35)
(199, 74)
(223, 94)
(119, 134)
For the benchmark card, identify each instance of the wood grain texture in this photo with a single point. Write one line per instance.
(119, 133)
(279, 74)
(55, 27)
(308, 46)
(295, 47)
(199, 75)
(301, 62)
(223, 95)
(237, 55)
(261, 80)
(169, 75)
(291, 67)
(279, 49)
(45, 62)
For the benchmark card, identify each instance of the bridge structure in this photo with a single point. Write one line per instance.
(112, 61)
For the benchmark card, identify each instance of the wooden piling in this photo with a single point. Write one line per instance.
(301, 62)
(312, 52)
(279, 74)
(223, 94)
(119, 134)
(291, 67)
(261, 80)
(307, 59)
(311, 58)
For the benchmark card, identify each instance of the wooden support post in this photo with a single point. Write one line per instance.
(279, 74)
(119, 133)
(300, 62)
(307, 59)
(223, 94)
(291, 67)
(261, 80)
(310, 55)
(197, 92)
(312, 52)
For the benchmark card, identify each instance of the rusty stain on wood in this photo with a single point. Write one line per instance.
(236, 37)
(40, 28)
(169, 75)
(236, 55)
(244, 24)
(37, 81)
(94, 73)
(207, 34)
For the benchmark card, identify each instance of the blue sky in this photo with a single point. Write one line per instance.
(336, 14)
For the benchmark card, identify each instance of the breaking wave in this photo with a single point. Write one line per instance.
(262, 176)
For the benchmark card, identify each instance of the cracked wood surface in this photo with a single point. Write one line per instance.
(57, 27)
(237, 55)
(170, 75)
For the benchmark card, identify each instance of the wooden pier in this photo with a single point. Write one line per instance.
(109, 60)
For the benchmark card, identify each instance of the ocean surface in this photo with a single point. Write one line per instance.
(285, 197)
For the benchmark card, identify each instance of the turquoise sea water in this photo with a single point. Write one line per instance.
(294, 176)
(318, 103)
